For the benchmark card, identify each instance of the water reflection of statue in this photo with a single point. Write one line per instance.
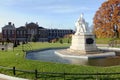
(81, 26)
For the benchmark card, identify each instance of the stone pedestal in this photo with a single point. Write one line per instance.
(83, 43)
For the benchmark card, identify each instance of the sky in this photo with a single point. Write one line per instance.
(58, 14)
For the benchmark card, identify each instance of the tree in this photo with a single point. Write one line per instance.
(34, 38)
(2, 42)
(61, 41)
(18, 42)
(15, 44)
(107, 20)
(68, 41)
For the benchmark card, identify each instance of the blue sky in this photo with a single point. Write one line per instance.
(48, 13)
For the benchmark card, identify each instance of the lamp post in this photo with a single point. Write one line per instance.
(6, 40)
(23, 46)
(14, 43)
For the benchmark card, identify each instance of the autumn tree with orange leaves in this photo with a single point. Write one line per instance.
(107, 20)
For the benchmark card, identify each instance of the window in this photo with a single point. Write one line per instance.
(8, 31)
(13, 32)
(4, 31)
(17, 32)
(39, 32)
(24, 32)
(20, 32)
(28, 31)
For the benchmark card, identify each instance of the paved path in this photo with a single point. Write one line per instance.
(102, 45)
(6, 77)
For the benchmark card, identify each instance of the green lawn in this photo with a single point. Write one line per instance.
(16, 58)
(98, 40)
(106, 40)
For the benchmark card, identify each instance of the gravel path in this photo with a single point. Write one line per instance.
(6, 77)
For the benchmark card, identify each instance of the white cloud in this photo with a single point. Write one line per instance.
(61, 8)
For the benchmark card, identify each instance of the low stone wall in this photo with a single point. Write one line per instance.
(116, 50)
(37, 50)
(6, 46)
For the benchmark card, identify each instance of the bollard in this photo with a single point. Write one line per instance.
(36, 74)
(14, 71)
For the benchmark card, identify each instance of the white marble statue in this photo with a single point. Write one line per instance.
(81, 26)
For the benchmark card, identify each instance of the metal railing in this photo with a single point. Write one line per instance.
(66, 75)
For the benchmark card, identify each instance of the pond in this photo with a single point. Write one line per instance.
(50, 56)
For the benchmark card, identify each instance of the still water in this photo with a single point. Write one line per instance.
(50, 56)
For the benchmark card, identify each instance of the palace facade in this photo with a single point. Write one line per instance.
(32, 31)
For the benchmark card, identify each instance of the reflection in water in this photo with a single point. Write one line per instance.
(50, 56)
(104, 62)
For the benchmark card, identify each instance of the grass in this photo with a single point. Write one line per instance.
(17, 58)
(66, 40)
(98, 40)
(105, 40)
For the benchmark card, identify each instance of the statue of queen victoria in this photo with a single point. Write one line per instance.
(81, 26)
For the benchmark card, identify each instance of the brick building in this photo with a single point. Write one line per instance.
(31, 31)
(9, 32)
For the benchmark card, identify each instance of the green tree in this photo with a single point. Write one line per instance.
(68, 41)
(61, 41)
(15, 44)
(34, 38)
